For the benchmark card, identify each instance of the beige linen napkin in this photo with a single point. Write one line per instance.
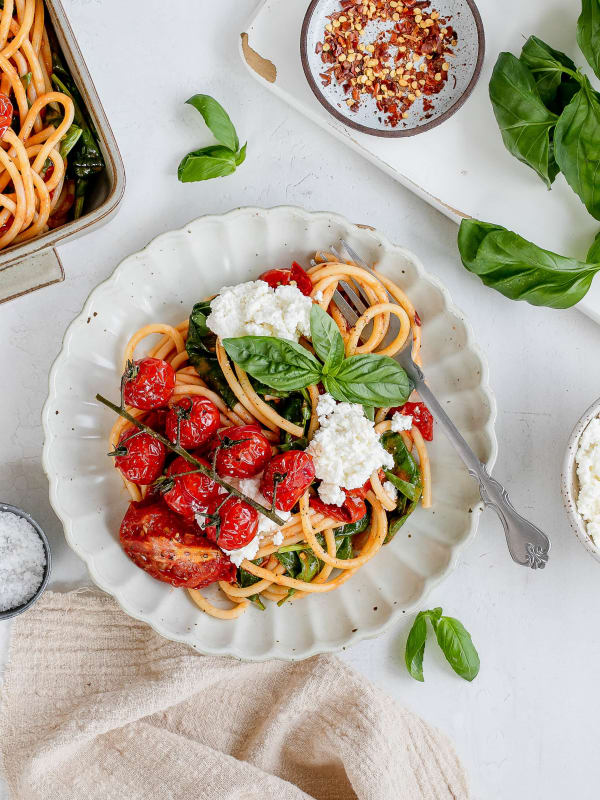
(96, 706)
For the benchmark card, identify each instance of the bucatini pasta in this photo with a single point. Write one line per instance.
(235, 479)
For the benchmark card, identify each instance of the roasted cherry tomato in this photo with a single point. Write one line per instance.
(170, 549)
(292, 473)
(6, 114)
(139, 456)
(422, 418)
(283, 277)
(199, 421)
(149, 383)
(352, 509)
(243, 451)
(186, 491)
(231, 524)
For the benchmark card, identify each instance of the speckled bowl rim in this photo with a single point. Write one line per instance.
(570, 484)
(392, 133)
(13, 612)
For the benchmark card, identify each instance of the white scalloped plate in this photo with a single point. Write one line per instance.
(161, 283)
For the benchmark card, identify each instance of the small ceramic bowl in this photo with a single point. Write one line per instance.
(12, 612)
(464, 71)
(570, 483)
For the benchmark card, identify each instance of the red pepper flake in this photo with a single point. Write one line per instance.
(405, 61)
(417, 319)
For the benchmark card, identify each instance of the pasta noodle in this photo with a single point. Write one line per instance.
(307, 530)
(35, 193)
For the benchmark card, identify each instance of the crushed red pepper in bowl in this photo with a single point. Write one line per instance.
(392, 51)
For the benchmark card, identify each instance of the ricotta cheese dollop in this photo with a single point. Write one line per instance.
(345, 449)
(588, 472)
(401, 422)
(255, 309)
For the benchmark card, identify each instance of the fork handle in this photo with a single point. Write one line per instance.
(527, 544)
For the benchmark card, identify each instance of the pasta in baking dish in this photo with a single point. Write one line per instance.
(266, 445)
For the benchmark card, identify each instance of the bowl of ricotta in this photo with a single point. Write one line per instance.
(581, 479)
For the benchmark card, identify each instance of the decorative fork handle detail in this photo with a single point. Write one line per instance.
(527, 544)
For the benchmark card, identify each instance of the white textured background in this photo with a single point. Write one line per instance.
(527, 727)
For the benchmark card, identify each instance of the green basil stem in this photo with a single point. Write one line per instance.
(191, 460)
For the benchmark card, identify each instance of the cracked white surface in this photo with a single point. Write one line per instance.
(509, 725)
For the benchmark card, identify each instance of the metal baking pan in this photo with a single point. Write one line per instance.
(35, 264)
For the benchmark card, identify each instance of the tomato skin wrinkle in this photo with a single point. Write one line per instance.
(199, 421)
(143, 458)
(353, 508)
(151, 383)
(243, 451)
(170, 549)
(237, 526)
(191, 491)
(296, 470)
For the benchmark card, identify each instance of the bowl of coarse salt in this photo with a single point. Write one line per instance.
(25, 561)
(581, 480)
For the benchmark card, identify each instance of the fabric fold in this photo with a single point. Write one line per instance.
(97, 706)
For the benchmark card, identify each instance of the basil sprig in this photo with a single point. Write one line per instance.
(214, 161)
(588, 33)
(369, 379)
(520, 270)
(453, 638)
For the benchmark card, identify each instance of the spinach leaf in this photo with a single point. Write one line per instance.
(410, 490)
(301, 564)
(520, 270)
(326, 339)
(453, 639)
(405, 466)
(279, 363)
(217, 119)
(370, 380)
(352, 528)
(290, 560)
(200, 347)
(415, 646)
(309, 566)
(70, 139)
(588, 33)
(207, 163)
(547, 66)
(525, 123)
(26, 80)
(343, 547)
(406, 477)
(296, 409)
(245, 578)
(457, 645)
(577, 146)
(593, 256)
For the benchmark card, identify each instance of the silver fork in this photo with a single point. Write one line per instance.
(527, 544)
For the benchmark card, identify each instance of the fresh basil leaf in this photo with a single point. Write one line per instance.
(217, 119)
(520, 270)
(457, 645)
(370, 380)
(588, 33)
(415, 646)
(547, 67)
(525, 123)
(434, 615)
(279, 363)
(369, 412)
(326, 339)
(69, 140)
(593, 256)
(207, 163)
(577, 146)
(240, 156)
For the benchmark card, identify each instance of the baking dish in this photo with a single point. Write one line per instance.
(35, 264)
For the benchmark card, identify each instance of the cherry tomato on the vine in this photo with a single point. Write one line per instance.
(199, 420)
(243, 451)
(148, 383)
(292, 473)
(139, 456)
(170, 549)
(186, 491)
(283, 277)
(231, 524)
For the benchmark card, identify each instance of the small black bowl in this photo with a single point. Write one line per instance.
(12, 612)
